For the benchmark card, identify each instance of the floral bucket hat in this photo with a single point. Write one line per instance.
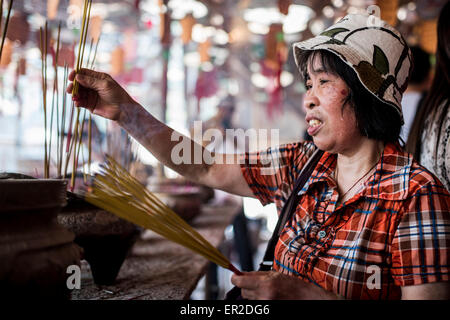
(375, 50)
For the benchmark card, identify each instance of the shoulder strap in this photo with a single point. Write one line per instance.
(288, 209)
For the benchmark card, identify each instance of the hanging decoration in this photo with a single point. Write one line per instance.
(388, 10)
(6, 58)
(22, 66)
(206, 84)
(203, 50)
(117, 61)
(19, 28)
(66, 55)
(187, 23)
(283, 6)
(78, 3)
(164, 30)
(95, 28)
(4, 24)
(52, 9)
(275, 56)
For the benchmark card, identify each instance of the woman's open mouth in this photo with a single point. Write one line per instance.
(314, 126)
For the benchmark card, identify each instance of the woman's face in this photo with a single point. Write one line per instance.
(332, 125)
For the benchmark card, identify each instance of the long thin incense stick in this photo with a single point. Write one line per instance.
(56, 86)
(55, 96)
(43, 43)
(63, 121)
(115, 190)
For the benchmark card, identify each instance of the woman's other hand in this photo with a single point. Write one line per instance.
(271, 285)
(99, 93)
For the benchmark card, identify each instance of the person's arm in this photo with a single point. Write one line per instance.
(427, 291)
(103, 96)
(420, 247)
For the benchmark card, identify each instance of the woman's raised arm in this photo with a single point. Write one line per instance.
(103, 96)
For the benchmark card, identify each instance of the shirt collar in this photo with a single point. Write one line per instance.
(390, 180)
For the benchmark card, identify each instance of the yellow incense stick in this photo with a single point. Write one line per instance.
(43, 45)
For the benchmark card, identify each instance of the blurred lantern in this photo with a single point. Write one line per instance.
(22, 66)
(66, 55)
(187, 23)
(19, 28)
(117, 61)
(203, 50)
(6, 53)
(95, 27)
(283, 6)
(205, 86)
(388, 10)
(427, 35)
(275, 47)
(272, 66)
(78, 3)
(165, 22)
(52, 9)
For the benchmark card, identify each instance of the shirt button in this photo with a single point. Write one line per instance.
(322, 234)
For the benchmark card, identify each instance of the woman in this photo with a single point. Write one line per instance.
(429, 140)
(370, 223)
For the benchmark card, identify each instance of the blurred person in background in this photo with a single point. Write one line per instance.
(429, 138)
(418, 87)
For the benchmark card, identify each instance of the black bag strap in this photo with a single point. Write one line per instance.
(288, 209)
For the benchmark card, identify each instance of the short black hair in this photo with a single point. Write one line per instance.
(421, 65)
(375, 119)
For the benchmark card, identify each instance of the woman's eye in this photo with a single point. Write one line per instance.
(323, 81)
(308, 86)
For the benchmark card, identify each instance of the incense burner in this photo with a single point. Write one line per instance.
(35, 251)
(184, 198)
(105, 238)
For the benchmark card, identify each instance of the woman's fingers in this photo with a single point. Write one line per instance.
(72, 75)
(90, 82)
(69, 88)
(87, 78)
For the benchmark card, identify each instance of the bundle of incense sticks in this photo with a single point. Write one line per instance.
(116, 191)
(58, 108)
(79, 64)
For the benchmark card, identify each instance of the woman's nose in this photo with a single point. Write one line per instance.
(310, 101)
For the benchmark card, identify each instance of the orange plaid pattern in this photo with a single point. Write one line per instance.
(394, 232)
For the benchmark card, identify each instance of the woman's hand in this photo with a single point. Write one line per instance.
(271, 285)
(99, 93)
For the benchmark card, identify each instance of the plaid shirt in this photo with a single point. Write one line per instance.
(394, 232)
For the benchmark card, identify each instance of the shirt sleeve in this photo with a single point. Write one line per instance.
(271, 173)
(421, 244)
